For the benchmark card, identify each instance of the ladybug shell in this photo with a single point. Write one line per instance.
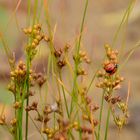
(110, 68)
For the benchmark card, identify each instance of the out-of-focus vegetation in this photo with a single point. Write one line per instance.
(102, 21)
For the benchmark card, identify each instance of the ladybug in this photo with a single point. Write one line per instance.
(111, 68)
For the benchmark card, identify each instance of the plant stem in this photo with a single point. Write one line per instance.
(96, 136)
(20, 123)
(27, 101)
(100, 116)
(82, 25)
(27, 79)
(77, 55)
(65, 100)
(107, 124)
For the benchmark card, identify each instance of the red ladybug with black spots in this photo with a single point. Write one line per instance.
(111, 68)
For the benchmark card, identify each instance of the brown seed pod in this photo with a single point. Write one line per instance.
(2, 120)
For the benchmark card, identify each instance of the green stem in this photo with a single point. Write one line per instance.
(82, 25)
(19, 114)
(80, 132)
(100, 116)
(20, 123)
(96, 136)
(27, 101)
(77, 55)
(107, 124)
(65, 100)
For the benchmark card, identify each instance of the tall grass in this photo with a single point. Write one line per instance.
(71, 115)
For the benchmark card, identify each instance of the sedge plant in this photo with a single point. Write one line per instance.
(72, 113)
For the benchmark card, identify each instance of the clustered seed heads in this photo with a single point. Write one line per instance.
(60, 56)
(109, 81)
(36, 36)
(67, 47)
(17, 105)
(85, 130)
(18, 78)
(81, 71)
(84, 57)
(33, 106)
(60, 136)
(64, 127)
(19, 74)
(2, 120)
(39, 78)
(79, 59)
(10, 125)
(13, 122)
(120, 121)
(61, 63)
(49, 132)
(89, 108)
(53, 108)
(108, 77)
(60, 131)
(23, 79)
(111, 54)
(56, 133)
